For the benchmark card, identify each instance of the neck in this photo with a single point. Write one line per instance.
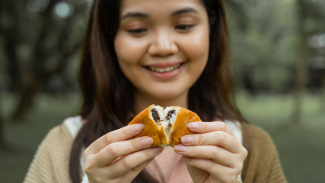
(142, 101)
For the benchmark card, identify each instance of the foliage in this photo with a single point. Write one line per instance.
(265, 41)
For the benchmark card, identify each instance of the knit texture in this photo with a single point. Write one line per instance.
(51, 161)
(262, 163)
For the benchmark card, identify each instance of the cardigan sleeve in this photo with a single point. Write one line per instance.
(39, 169)
(51, 161)
(262, 163)
(276, 174)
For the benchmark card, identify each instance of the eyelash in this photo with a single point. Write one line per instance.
(137, 31)
(184, 27)
(181, 27)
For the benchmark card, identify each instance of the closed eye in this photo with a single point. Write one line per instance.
(184, 27)
(137, 31)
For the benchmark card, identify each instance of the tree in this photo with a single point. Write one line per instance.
(52, 35)
(301, 72)
(310, 21)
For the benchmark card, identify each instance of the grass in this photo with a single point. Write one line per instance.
(301, 147)
(23, 137)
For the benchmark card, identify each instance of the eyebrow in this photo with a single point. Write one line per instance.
(135, 14)
(173, 14)
(184, 10)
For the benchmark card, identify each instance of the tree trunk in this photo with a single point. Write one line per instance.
(302, 65)
(322, 101)
(28, 90)
(1, 126)
(13, 65)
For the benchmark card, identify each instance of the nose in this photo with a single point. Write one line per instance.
(162, 44)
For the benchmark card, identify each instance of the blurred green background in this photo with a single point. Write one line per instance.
(278, 56)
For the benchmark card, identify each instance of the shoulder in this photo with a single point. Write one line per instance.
(258, 143)
(262, 163)
(57, 138)
(58, 131)
(51, 161)
(65, 132)
(255, 135)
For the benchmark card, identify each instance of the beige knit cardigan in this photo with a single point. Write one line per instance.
(51, 161)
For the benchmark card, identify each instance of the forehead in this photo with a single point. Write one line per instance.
(159, 7)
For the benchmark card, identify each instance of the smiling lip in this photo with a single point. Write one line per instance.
(165, 75)
(164, 65)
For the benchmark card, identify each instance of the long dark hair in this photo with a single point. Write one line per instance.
(108, 101)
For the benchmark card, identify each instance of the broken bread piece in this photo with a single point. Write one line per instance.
(165, 126)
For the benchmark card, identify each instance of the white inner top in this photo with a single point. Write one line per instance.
(74, 124)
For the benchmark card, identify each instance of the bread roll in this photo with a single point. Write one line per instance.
(165, 126)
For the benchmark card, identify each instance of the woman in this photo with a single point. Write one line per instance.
(164, 52)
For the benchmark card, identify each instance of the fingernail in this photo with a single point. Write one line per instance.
(187, 139)
(185, 159)
(138, 127)
(180, 148)
(157, 150)
(193, 125)
(146, 141)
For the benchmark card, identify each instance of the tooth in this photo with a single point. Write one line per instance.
(167, 69)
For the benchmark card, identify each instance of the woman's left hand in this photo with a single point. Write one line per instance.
(213, 155)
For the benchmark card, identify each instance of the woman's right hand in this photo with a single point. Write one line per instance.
(115, 157)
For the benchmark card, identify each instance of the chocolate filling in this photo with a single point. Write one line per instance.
(155, 115)
(169, 114)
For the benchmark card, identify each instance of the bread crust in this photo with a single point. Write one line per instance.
(158, 135)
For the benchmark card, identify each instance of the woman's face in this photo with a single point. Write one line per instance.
(162, 46)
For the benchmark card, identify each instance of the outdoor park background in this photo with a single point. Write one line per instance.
(278, 56)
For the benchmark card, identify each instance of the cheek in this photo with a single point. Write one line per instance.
(197, 50)
(129, 51)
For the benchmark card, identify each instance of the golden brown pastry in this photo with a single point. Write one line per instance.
(165, 126)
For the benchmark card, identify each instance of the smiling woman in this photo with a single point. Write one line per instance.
(164, 52)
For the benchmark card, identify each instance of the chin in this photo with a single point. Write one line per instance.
(167, 94)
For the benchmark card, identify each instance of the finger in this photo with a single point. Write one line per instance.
(131, 161)
(114, 136)
(217, 138)
(117, 149)
(206, 127)
(130, 175)
(220, 172)
(215, 153)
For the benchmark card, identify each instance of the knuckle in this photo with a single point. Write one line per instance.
(112, 151)
(99, 179)
(215, 152)
(192, 150)
(245, 152)
(221, 136)
(203, 126)
(108, 138)
(233, 173)
(200, 140)
(223, 126)
(126, 131)
(88, 168)
(135, 144)
(240, 167)
(86, 152)
(127, 163)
